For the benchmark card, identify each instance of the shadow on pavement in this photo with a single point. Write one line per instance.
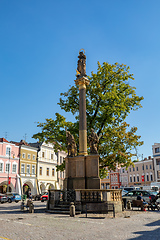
(16, 209)
(153, 234)
(93, 217)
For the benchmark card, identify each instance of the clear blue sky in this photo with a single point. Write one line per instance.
(39, 45)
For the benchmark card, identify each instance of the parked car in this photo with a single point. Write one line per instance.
(132, 195)
(44, 197)
(124, 192)
(3, 198)
(130, 188)
(37, 197)
(13, 197)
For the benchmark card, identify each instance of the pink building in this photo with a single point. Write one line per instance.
(9, 167)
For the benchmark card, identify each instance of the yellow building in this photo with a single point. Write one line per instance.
(28, 168)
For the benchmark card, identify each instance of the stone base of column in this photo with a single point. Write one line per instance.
(74, 183)
(82, 172)
(92, 172)
(93, 183)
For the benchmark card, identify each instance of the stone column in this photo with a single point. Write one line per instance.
(82, 82)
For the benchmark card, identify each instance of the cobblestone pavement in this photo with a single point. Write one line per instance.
(15, 225)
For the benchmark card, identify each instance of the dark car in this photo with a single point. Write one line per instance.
(37, 197)
(3, 198)
(132, 195)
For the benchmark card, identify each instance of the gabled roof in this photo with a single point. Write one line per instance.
(3, 140)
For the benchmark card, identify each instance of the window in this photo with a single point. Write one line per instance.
(22, 168)
(122, 170)
(137, 168)
(1, 167)
(8, 150)
(116, 179)
(143, 167)
(133, 169)
(130, 169)
(137, 178)
(147, 177)
(146, 166)
(7, 167)
(29, 156)
(157, 150)
(52, 171)
(134, 179)
(28, 168)
(14, 168)
(33, 169)
(151, 177)
(43, 154)
(34, 157)
(23, 155)
(47, 171)
(40, 171)
(51, 155)
(130, 179)
(150, 166)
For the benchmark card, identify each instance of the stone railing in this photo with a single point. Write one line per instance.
(84, 195)
(98, 195)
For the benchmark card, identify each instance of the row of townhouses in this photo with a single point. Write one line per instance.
(29, 167)
(32, 167)
(143, 173)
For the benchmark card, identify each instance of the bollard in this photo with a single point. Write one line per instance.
(31, 208)
(22, 205)
(72, 210)
(122, 206)
(128, 205)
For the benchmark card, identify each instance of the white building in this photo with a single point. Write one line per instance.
(46, 167)
(60, 175)
(47, 176)
(156, 157)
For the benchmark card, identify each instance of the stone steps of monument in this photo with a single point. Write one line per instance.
(60, 211)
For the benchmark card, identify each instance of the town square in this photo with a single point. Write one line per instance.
(79, 139)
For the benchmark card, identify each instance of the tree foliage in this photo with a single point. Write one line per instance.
(109, 100)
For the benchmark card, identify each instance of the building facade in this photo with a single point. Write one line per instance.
(115, 179)
(28, 168)
(142, 174)
(46, 167)
(123, 177)
(156, 159)
(60, 175)
(9, 167)
(105, 182)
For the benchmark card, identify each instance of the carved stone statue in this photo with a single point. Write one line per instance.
(81, 68)
(71, 145)
(93, 141)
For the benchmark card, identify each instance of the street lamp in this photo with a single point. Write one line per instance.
(9, 169)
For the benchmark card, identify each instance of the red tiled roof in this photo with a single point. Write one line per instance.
(3, 140)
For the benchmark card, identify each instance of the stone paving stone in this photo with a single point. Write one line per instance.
(40, 225)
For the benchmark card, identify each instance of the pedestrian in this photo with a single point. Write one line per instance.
(145, 204)
(30, 195)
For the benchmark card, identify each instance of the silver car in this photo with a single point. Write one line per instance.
(132, 195)
(3, 198)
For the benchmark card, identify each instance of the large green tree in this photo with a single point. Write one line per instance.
(109, 100)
